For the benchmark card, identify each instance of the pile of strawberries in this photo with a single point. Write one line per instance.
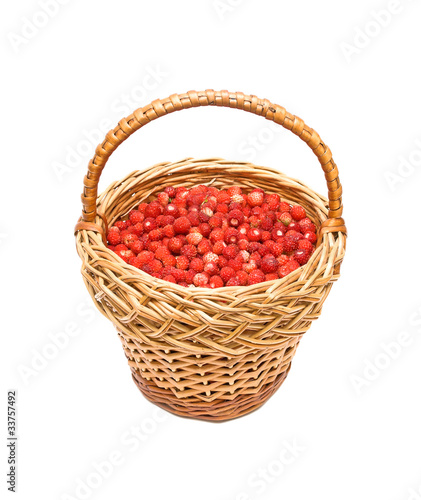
(211, 238)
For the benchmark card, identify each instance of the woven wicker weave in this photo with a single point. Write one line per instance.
(197, 352)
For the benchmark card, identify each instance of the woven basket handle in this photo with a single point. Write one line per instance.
(176, 102)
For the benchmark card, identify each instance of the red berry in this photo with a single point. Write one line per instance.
(203, 247)
(194, 238)
(196, 265)
(273, 201)
(304, 244)
(226, 273)
(210, 257)
(231, 235)
(256, 276)
(254, 234)
(135, 216)
(190, 251)
(113, 237)
(182, 225)
(290, 244)
(285, 218)
(204, 229)
(298, 212)
(302, 256)
(310, 236)
(271, 276)
(235, 218)
(216, 282)
(149, 224)
(175, 244)
(230, 251)
(242, 277)
(269, 265)
(201, 279)
(284, 207)
(172, 210)
(234, 281)
(217, 234)
(255, 198)
(211, 268)
(218, 247)
(182, 262)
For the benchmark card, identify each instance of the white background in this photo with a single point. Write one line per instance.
(355, 429)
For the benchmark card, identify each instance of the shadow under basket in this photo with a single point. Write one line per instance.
(210, 354)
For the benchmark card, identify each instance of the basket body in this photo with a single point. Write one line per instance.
(208, 354)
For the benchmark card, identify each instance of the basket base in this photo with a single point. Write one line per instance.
(215, 411)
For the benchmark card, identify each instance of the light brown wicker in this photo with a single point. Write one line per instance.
(197, 352)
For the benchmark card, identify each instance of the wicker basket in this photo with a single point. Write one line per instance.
(196, 352)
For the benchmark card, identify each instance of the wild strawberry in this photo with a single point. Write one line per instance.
(266, 223)
(269, 265)
(234, 281)
(172, 210)
(210, 257)
(222, 261)
(121, 224)
(204, 246)
(284, 207)
(222, 208)
(294, 226)
(196, 265)
(290, 244)
(156, 265)
(218, 247)
(170, 190)
(201, 279)
(217, 234)
(155, 235)
(231, 235)
(302, 256)
(161, 252)
(230, 251)
(310, 236)
(243, 255)
(242, 277)
(250, 266)
(204, 217)
(294, 234)
(163, 198)
(216, 282)
(266, 235)
(194, 238)
(298, 212)
(215, 221)
(278, 232)
(238, 198)
(190, 274)
(226, 273)
(234, 190)
(211, 268)
(168, 231)
(129, 238)
(256, 276)
(135, 262)
(136, 246)
(145, 256)
(277, 248)
(154, 209)
(182, 262)
(282, 259)
(193, 217)
(243, 243)
(235, 218)
(113, 236)
(304, 244)
(271, 276)
(273, 201)
(236, 264)
(285, 218)
(182, 225)
(169, 278)
(223, 197)
(254, 234)
(179, 274)
(135, 216)
(255, 198)
(149, 224)
(190, 251)
(175, 244)
(204, 229)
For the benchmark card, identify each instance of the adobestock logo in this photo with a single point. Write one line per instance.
(363, 36)
(78, 154)
(406, 167)
(250, 146)
(32, 25)
(223, 7)
(388, 354)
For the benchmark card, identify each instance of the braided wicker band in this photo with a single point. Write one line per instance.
(212, 354)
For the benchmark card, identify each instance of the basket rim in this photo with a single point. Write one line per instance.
(158, 283)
